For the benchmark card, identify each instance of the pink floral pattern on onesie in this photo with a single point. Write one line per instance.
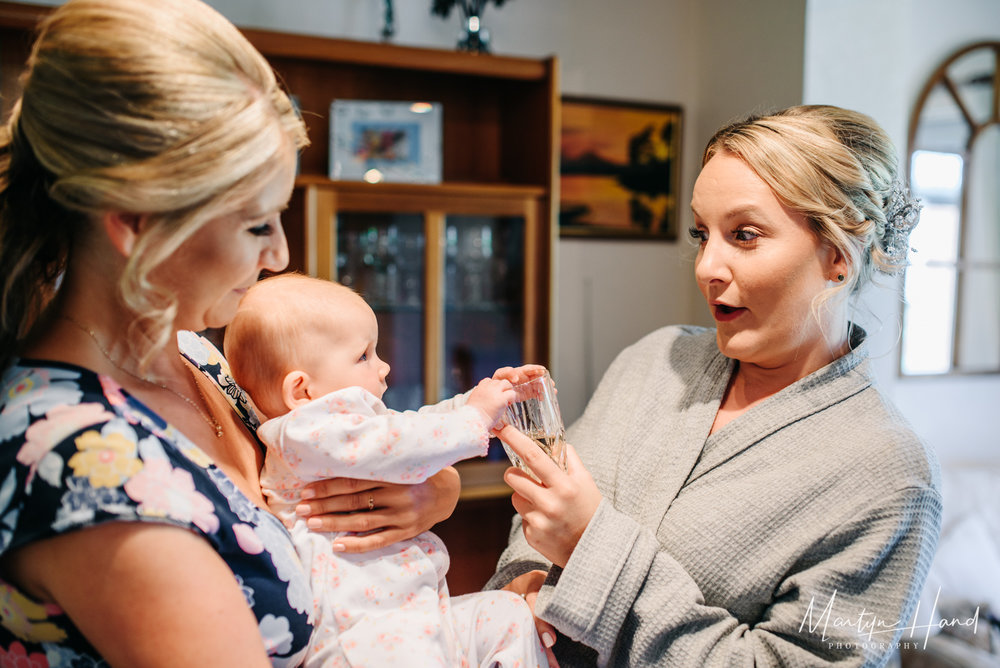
(391, 606)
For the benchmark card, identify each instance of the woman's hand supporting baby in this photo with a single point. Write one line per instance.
(401, 511)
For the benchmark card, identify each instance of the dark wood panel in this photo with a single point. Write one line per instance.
(476, 535)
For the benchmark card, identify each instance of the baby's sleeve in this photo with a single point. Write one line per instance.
(350, 433)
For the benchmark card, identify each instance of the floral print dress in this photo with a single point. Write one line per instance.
(76, 450)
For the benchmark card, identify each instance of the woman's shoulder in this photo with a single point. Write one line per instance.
(42, 396)
(691, 336)
(876, 433)
(670, 359)
(681, 346)
(72, 441)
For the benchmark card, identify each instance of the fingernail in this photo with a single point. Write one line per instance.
(548, 640)
(339, 547)
(302, 509)
(307, 494)
(314, 523)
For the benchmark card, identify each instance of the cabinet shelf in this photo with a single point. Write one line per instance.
(451, 198)
(483, 480)
(373, 54)
(492, 308)
(454, 190)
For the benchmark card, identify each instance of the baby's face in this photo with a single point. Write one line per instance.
(347, 355)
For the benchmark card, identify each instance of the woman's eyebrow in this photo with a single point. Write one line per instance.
(748, 211)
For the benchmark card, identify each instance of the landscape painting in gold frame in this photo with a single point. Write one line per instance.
(619, 169)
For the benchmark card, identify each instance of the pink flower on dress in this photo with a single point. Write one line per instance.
(58, 424)
(247, 538)
(16, 656)
(163, 491)
(112, 391)
(115, 395)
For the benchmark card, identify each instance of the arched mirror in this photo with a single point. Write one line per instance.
(951, 313)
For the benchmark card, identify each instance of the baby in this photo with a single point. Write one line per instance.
(304, 349)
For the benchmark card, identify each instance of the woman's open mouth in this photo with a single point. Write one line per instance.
(725, 313)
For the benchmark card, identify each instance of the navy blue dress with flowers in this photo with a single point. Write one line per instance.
(76, 451)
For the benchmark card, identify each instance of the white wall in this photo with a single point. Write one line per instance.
(874, 56)
(714, 63)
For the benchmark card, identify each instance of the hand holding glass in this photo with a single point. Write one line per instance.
(535, 413)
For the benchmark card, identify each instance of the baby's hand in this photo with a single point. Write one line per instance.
(491, 396)
(519, 374)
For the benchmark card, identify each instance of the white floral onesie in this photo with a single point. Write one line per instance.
(389, 607)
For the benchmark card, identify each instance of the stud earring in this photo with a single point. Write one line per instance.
(840, 278)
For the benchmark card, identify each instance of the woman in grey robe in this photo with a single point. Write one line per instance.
(744, 495)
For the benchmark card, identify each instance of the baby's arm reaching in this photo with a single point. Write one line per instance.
(350, 433)
(492, 397)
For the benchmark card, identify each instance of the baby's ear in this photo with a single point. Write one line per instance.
(295, 389)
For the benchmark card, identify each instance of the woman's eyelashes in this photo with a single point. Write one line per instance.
(264, 227)
(745, 235)
(741, 235)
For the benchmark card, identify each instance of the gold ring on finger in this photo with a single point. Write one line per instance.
(371, 502)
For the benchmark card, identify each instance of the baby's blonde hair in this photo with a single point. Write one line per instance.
(264, 342)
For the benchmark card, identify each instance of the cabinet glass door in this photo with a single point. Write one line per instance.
(381, 256)
(484, 298)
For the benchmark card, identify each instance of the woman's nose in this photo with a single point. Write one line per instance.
(711, 264)
(275, 256)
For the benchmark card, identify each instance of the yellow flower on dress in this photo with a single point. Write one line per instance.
(26, 619)
(198, 456)
(215, 357)
(107, 461)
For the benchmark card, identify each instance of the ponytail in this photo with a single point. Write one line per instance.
(35, 235)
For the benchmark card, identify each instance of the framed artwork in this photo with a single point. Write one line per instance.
(378, 141)
(619, 169)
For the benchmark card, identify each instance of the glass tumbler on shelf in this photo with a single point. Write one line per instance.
(380, 255)
(535, 413)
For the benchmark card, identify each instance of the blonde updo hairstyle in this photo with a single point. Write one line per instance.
(153, 107)
(836, 167)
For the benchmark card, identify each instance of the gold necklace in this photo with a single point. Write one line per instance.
(206, 416)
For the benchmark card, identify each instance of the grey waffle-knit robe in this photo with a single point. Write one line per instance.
(797, 535)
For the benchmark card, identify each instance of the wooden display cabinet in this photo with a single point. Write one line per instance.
(471, 283)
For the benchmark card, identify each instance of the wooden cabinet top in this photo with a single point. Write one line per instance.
(309, 47)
